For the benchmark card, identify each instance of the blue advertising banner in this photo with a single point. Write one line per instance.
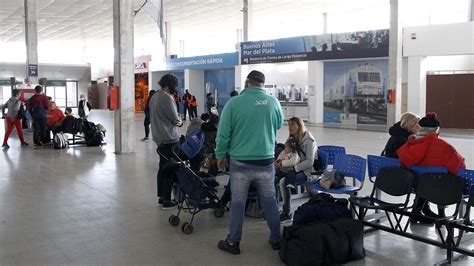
(361, 44)
(203, 62)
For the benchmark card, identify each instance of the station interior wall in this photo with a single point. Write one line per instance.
(79, 73)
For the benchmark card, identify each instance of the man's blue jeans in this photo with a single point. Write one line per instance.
(241, 176)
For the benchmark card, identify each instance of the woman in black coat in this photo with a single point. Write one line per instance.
(400, 132)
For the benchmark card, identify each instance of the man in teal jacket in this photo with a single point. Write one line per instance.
(246, 135)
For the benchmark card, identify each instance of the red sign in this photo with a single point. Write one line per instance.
(25, 94)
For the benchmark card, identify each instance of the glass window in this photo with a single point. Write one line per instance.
(363, 76)
(71, 89)
(374, 77)
(5, 93)
(60, 96)
(65, 94)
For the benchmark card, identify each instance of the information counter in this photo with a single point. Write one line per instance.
(298, 109)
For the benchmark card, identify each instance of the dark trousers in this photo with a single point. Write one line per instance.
(185, 110)
(39, 130)
(193, 112)
(164, 180)
(146, 124)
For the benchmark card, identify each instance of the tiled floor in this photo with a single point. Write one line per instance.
(92, 206)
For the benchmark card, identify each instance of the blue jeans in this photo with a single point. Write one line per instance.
(286, 193)
(241, 176)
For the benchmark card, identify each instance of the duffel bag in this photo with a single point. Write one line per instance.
(322, 207)
(323, 243)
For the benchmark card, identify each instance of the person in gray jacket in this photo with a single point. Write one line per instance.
(307, 152)
(165, 123)
(13, 105)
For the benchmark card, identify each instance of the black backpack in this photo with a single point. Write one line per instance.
(93, 136)
(322, 207)
(323, 243)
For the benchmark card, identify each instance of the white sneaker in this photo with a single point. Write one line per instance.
(290, 186)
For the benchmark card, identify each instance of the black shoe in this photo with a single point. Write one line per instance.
(227, 247)
(5, 146)
(168, 205)
(285, 217)
(24, 144)
(160, 201)
(276, 245)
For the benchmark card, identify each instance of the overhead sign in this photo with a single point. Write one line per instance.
(56, 83)
(142, 63)
(203, 62)
(33, 70)
(361, 44)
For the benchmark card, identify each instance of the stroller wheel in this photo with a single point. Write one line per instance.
(218, 213)
(187, 228)
(174, 220)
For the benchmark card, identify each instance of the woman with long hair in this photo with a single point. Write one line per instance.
(288, 175)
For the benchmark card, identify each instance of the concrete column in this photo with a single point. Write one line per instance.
(416, 100)
(316, 91)
(248, 19)
(241, 72)
(470, 10)
(395, 63)
(167, 40)
(181, 48)
(124, 76)
(325, 23)
(31, 38)
(194, 82)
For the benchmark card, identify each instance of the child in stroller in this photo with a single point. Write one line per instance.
(197, 190)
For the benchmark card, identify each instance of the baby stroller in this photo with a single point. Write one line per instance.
(196, 191)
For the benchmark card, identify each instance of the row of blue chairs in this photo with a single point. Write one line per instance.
(355, 166)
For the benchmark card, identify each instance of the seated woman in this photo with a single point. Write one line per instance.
(55, 119)
(400, 132)
(306, 151)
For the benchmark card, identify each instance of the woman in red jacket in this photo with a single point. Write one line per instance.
(427, 149)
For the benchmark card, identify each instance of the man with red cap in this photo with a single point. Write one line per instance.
(427, 149)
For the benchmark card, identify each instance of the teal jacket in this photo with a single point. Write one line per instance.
(248, 126)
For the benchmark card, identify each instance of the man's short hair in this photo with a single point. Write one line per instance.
(15, 92)
(68, 110)
(39, 89)
(256, 77)
(169, 81)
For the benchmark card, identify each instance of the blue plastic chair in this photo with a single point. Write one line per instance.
(324, 158)
(350, 166)
(419, 170)
(375, 163)
(332, 151)
(468, 177)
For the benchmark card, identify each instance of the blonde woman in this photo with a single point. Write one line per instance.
(286, 175)
(400, 132)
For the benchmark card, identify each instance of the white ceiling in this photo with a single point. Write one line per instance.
(88, 20)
